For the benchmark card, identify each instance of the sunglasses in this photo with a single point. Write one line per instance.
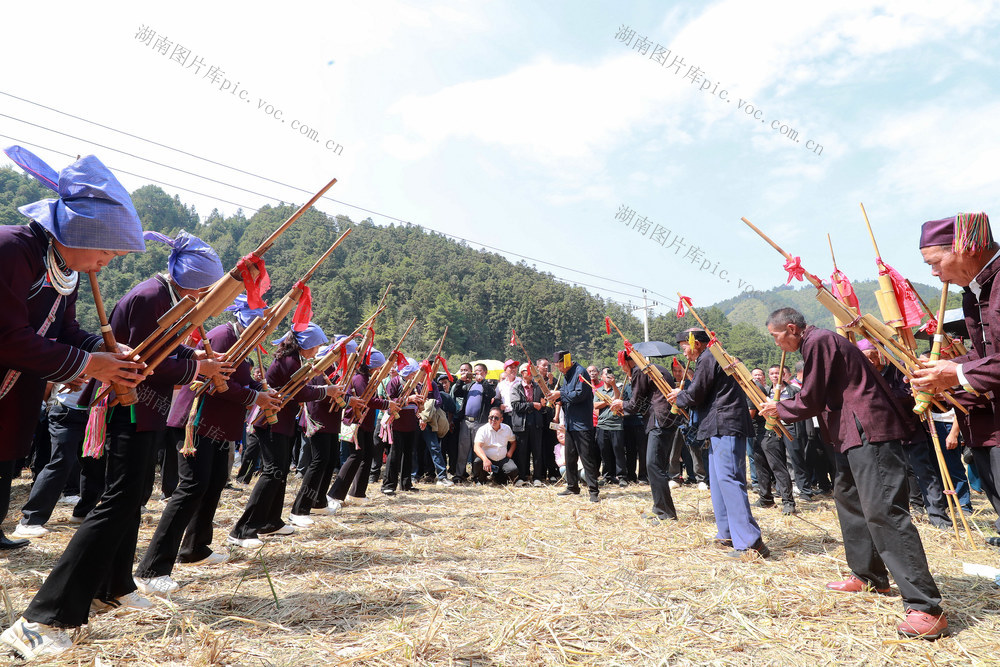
(494, 419)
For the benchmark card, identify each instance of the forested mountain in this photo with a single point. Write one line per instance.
(478, 294)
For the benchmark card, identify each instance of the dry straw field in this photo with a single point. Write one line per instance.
(503, 576)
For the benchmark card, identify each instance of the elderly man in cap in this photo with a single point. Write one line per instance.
(961, 250)
(90, 222)
(724, 418)
(577, 401)
(866, 426)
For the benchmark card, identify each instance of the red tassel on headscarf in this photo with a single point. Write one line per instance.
(255, 286)
(304, 310)
(444, 365)
(681, 302)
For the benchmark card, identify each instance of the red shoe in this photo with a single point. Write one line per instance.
(855, 584)
(921, 625)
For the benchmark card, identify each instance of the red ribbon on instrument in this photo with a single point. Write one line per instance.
(366, 355)
(680, 305)
(675, 363)
(794, 267)
(628, 348)
(255, 286)
(908, 305)
(843, 289)
(400, 360)
(930, 327)
(622, 356)
(425, 366)
(304, 310)
(195, 336)
(444, 365)
(261, 348)
(513, 338)
(607, 324)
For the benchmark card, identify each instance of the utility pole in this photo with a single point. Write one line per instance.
(645, 308)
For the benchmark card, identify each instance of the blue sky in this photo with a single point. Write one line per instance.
(528, 126)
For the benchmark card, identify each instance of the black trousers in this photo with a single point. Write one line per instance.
(250, 460)
(500, 469)
(928, 475)
(323, 447)
(93, 482)
(612, 446)
(772, 449)
(529, 447)
(400, 461)
(190, 511)
(879, 538)
(263, 510)
(97, 562)
(355, 470)
(658, 444)
(163, 455)
(66, 431)
(582, 445)
(635, 452)
(987, 461)
(378, 453)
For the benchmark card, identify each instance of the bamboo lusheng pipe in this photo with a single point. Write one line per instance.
(375, 380)
(355, 358)
(953, 347)
(218, 382)
(426, 388)
(687, 365)
(270, 416)
(601, 395)
(319, 365)
(218, 297)
(886, 295)
(922, 398)
(536, 374)
(867, 326)
(949, 486)
(411, 383)
(841, 324)
(648, 368)
(126, 395)
(738, 370)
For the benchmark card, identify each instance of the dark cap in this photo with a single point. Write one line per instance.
(699, 335)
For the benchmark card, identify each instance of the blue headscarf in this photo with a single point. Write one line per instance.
(192, 263)
(311, 336)
(410, 368)
(376, 359)
(350, 347)
(244, 314)
(93, 211)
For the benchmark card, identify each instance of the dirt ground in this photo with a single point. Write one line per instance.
(519, 576)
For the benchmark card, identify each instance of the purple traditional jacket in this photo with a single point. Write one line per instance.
(222, 415)
(133, 319)
(26, 300)
(842, 388)
(278, 373)
(320, 413)
(981, 366)
(407, 420)
(721, 404)
(359, 383)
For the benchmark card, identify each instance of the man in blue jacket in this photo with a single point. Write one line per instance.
(577, 401)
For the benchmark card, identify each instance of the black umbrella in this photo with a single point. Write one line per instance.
(954, 325)
(656, 348)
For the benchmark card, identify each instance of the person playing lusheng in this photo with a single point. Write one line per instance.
(577, 400)
(91, 222)
(866, 426)
(947, 246)
(724, 418)
(262, 515)
(661, 427)
(190, 512)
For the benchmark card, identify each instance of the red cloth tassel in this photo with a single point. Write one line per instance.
(844, 290)
(607, 325)
(255, 286)
(400, 360)
(680, 305)
(304, 310)
(907, 300)
(795, 270)
(513, 338)
(628, 347)
(930, 327)
(195, 336)
(425, 366)
(621, 358)
(367, 354)
(444, 365)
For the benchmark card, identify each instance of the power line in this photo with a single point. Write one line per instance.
(277, 199)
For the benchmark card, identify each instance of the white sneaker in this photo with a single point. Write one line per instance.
(444, 481)
(284, 530)
(75, 520)
(355, 500)
(247, 543)
(702, 486)
(134, 601)
(69, 500)
(27, 530)
(300, 520)
(332, 508)
(35, 640)
(673, 485)
(214, 558)
(162, 585)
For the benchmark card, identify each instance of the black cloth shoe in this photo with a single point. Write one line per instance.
(758, 549)
(764, 503)
(7, 543)
(595, 498)
(569, 492)
(788, 508)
